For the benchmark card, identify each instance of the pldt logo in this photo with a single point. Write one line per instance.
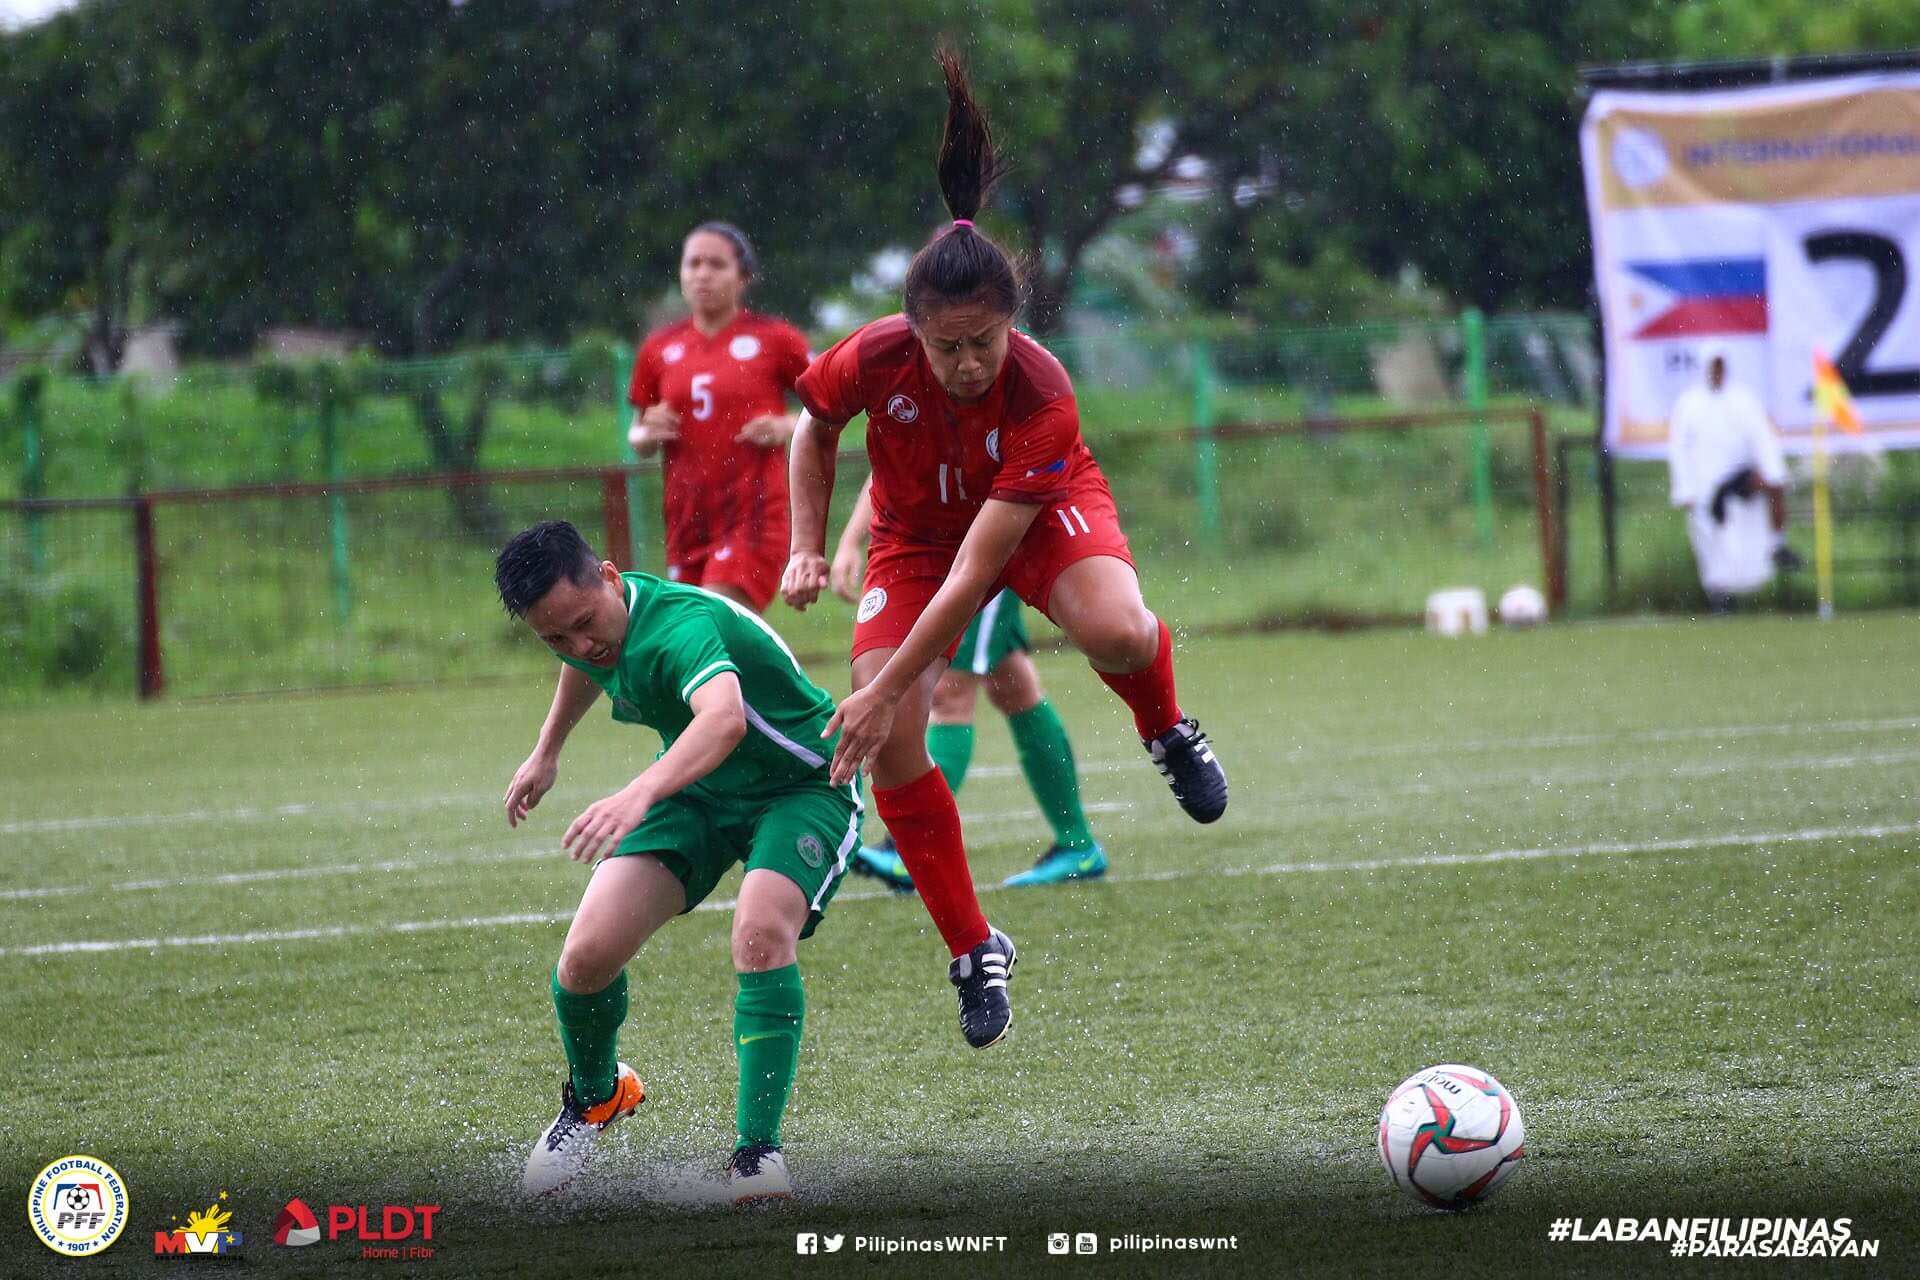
(397, 1222)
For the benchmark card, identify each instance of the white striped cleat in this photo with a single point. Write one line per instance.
(981, 976)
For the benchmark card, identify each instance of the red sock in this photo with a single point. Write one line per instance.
(1149, 693)
(925, 824)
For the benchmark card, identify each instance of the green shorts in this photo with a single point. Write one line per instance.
(996, 631)
(806, 832)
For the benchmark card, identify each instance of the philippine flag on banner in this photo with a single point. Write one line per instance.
(1700, 297)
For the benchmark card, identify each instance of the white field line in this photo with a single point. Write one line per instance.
(528, 853)
(1395, 751)
(1732, 840)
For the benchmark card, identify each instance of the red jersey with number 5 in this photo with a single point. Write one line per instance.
(719, 488)
(936, 461)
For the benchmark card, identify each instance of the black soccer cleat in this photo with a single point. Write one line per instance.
(1184, 758)
(981, 976)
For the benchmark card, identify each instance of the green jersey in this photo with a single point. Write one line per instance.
(680, 637)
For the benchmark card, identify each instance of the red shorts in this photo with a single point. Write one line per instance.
(902, 576)
(752, 568)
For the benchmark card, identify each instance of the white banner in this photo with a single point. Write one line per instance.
(1769, 222)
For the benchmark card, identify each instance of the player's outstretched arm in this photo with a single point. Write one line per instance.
(866, 716)
(572, 696)
(810, 486)
(719, 722)
(850, 555)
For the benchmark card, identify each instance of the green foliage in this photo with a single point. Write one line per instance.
(1729, 29)
(436, 174)
(60, 629)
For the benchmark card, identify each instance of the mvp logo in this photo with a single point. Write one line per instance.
(395, 1222)
(195, 1241)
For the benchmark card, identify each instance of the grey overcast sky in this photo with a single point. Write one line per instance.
(18, 13)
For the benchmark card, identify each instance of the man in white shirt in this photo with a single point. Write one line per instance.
(1728, 473)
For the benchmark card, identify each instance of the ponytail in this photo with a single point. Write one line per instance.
(961, 263)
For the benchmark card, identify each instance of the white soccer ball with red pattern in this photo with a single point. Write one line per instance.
(1450, 1135)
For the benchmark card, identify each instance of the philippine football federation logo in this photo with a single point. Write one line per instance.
(77, 1206)
(204, 1233)
(871, 604)
(296, 1226)
(902, 409)
(744, 347)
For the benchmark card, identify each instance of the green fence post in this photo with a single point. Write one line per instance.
(1206, 472)
(1473, 339)
(33, 465)
(636, 497)
(336, 511)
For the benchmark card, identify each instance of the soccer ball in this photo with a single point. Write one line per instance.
(1522, 606)
(1450, 1134)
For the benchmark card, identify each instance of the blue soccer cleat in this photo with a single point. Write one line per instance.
(1059, 865)
(882, 862)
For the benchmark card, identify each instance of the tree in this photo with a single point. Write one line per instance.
(77, 92)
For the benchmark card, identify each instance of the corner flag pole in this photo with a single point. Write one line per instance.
(1822, 521)
(1833, 404)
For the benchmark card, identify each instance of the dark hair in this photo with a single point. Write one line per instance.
(961, 263)
(528, 566)
(743, 254)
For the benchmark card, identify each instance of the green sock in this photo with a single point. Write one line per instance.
(769, 1012)
(590, 1033)
(951, 746)
(1046, 757)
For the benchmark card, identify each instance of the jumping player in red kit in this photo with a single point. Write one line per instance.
(711, 391)
(980, 480)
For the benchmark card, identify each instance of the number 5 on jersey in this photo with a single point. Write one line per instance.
(702, 396)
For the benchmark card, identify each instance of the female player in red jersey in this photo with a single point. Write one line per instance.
(980, 480)
(711, 392)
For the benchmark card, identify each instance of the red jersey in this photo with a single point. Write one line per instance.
(716, 487)
(936, 461)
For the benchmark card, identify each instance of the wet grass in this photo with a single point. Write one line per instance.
(1660, 879)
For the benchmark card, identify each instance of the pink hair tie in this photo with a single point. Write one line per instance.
(963, 222)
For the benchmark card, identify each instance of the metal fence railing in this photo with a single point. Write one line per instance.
(390, 580)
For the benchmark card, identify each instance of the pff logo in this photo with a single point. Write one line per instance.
(77, 1206)
(205, 1233)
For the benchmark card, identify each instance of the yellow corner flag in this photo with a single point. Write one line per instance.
(1831, 395)
(1835, 405)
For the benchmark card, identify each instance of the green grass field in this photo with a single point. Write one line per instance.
(1660, 879)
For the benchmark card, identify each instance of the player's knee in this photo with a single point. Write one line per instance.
(586, 967)
(953, 699)
(762, 942)
(1126, 640)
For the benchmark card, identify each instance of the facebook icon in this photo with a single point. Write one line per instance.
(807, 1242)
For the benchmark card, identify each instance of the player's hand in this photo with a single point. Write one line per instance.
(769, 430)
(864, 720)
(657, 426)
(806, 574)
(605, 823)
(849, 563)
(530, 781)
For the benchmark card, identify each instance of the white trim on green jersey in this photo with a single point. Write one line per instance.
(813, 759)
(705, 674)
